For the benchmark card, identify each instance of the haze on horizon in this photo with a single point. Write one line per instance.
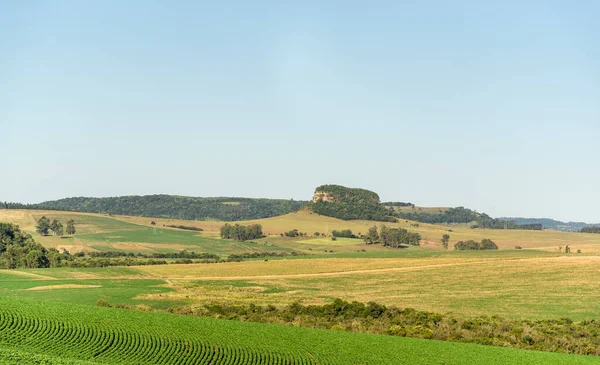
(494, 107)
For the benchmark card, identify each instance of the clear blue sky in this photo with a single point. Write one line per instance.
(495, 107)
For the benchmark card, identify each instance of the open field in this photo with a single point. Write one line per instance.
(33, 332)
(524, 283)
(515, 284)
(527, 287)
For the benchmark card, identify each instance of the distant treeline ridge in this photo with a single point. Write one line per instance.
(172, 206)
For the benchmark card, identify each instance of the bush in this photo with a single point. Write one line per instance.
(346, 233)
(103, 303)
(485, 244)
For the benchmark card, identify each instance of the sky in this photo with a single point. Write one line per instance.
(493, 106)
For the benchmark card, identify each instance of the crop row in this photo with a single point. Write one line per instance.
(122, 341)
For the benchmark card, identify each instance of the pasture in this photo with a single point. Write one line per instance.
(514, 284)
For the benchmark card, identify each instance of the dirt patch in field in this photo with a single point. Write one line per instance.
(129, 246)
(63, 286)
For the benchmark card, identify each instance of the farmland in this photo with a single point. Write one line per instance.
(38, 331)
(536, 282)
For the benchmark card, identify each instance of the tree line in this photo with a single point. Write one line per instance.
(592, 229)
(485, 244)
(44, 226)
(392, 237)
(239, 232)
(465, 215)
(398, 204)
(353, 211)
(171, 206)
(344, 233)
(185, 228)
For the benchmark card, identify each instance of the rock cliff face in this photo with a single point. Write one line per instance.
(323, 196)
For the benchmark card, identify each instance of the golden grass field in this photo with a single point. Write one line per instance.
(529, 287)
(536, 282)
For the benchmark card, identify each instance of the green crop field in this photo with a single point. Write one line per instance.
(33, 332)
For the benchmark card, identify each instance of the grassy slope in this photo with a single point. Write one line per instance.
(106, 233)
(39, 321)
(93, 232)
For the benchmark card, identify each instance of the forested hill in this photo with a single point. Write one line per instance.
(349, 203)
(553, 224)
(465, 215)
(172, 206)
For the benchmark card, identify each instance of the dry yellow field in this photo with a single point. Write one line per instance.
(530, 287)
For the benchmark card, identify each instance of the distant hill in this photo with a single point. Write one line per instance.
(349, 203)
(461, 215)
(173, 206)
(548, 223)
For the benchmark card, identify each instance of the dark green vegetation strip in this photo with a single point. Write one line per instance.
(114, 336)
(172, 206)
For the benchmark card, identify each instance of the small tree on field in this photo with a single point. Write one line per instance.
(445, 240)
(43, 226)
(71, 227)
(60, 231)
(372, 235)
(57, 228)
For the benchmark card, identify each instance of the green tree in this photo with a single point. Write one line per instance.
(43, 226)
(10, 257)
(57, 228)
(53, 258)
(372, 236)
(60, 231)
(445, 241)
(34, 259)
(70, 227)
